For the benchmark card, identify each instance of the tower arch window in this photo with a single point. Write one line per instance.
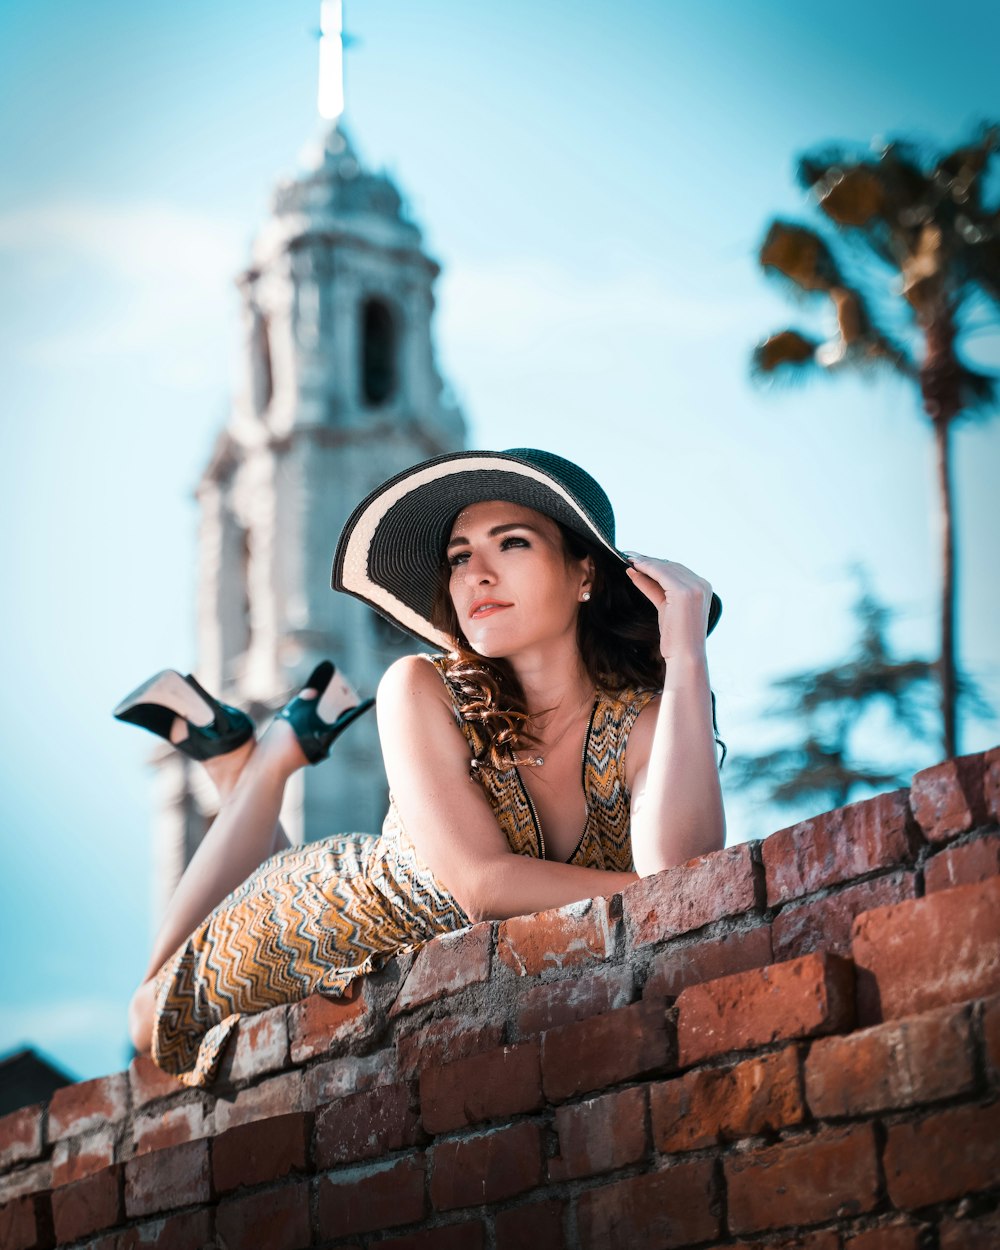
(379, 351)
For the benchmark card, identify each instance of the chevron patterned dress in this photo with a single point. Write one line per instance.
(314, 918)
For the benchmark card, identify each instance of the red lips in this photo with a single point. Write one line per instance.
(488, 604)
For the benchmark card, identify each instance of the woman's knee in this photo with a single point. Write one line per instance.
(140, 1017)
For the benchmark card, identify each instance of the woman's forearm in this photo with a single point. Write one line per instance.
(518, 885)
(678, 814)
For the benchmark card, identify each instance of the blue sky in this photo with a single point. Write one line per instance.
(594, 179)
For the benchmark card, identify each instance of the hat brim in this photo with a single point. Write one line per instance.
(389, 553)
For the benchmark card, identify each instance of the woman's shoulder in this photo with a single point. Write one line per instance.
(410, 675)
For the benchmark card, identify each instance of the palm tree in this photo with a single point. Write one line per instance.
(923, 221)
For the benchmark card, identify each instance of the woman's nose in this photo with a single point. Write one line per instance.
(479, 571)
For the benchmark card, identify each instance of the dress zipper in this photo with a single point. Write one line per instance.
(583, 784)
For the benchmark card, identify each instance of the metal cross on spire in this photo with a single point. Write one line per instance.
(332, 44)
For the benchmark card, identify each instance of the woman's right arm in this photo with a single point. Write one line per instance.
(448, 817)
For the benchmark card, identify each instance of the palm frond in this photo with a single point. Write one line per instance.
(799, 256)
(788, 351)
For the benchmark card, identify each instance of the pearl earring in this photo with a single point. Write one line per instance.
(585, 596)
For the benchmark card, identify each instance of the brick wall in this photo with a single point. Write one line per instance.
(790, 1043)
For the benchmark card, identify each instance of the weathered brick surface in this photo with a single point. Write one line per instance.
(826, 923)
(90, 1104)
(991, 1037)
(600, 1135)
(838, 846)
(605, 1050)
(494, 1085)
(87, 1206)
(365, 1125)
(26, 1180)
(348, 1074)
(900, 1064)
(148, 1082)
(970, 1233)
(21, 1136)
(946, 1155)
(927, 952)
(534, 1226)
(464, 1236)
(487, 1168)
(26, 1223)
(894, 1235)
(253, 1154)
(77, 1157)
(567, 937)
(446, 965)
(963, 865)
(713, 1105)
(277, 1219)
(189, 1230)
(801, 998)
(678, 967)
(688, 896)
(991, 784)
(444, 1041)
(674, 1207)
(261, 1046)
(830, 1175)
(278, 1095)
(170, 1126)
(371, 1198)
(948, 799)
(167, 1179)
(318, 1024)
(551, 1004)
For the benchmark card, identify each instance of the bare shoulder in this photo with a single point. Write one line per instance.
(411, 675)
(640, 741)
(416, 717)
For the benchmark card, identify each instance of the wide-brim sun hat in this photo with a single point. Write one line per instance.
(390, 551)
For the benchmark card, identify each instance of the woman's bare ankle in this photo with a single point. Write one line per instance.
(226, 770)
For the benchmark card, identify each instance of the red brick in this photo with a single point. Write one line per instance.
(567, 937)
(822, 1239)
(991, 1036)
(191, 1230)
(317, 1024)
(991, 784)
(838, 846)
(365, 1126)
(167, 1179)
(826, 923)
(678, 967)
(371, 1198)
(253, 1154)
(900, 1064)
(444, 1041)
(464, 1236)
(893, 1236)
(688, 896)
(554, 1003)
(446, 965)
(669, 1208)
(600, 1135)
(148, 1082)
(87, 1206)
(170, 1126)
(487, 1168)
(982, 1233)
(79, 1108)
(800, 998)
(30, 1180)
(20, 1136)
(927, 952)
(714, 1105)
(963, 865)
(349, 1074)
(948, 799)
(494, 1085)
(277, 1219)
(261, 1046)
(77, 1157)
(944, 1156)
(534, 1226)
(829, 1176)
(605, 1050)
(26, 1223)
(279, 1095)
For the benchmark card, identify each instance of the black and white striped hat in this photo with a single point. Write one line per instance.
(390, 551)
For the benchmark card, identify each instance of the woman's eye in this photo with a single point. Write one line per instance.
(460, 557)
(512, 540)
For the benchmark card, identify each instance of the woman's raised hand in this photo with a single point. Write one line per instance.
(682, 600)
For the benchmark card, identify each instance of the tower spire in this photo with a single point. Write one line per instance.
(332, 43)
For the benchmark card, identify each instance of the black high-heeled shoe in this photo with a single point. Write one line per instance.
(315, 735)
(214, 728)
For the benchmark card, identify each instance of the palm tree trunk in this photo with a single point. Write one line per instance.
(942, 431)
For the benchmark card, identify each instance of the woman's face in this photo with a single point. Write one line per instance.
(511, 582)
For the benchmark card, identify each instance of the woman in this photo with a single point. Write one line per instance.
(557, 650)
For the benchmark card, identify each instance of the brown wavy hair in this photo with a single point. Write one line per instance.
(617, 633)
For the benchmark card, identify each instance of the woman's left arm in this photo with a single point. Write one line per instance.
(677, 810)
